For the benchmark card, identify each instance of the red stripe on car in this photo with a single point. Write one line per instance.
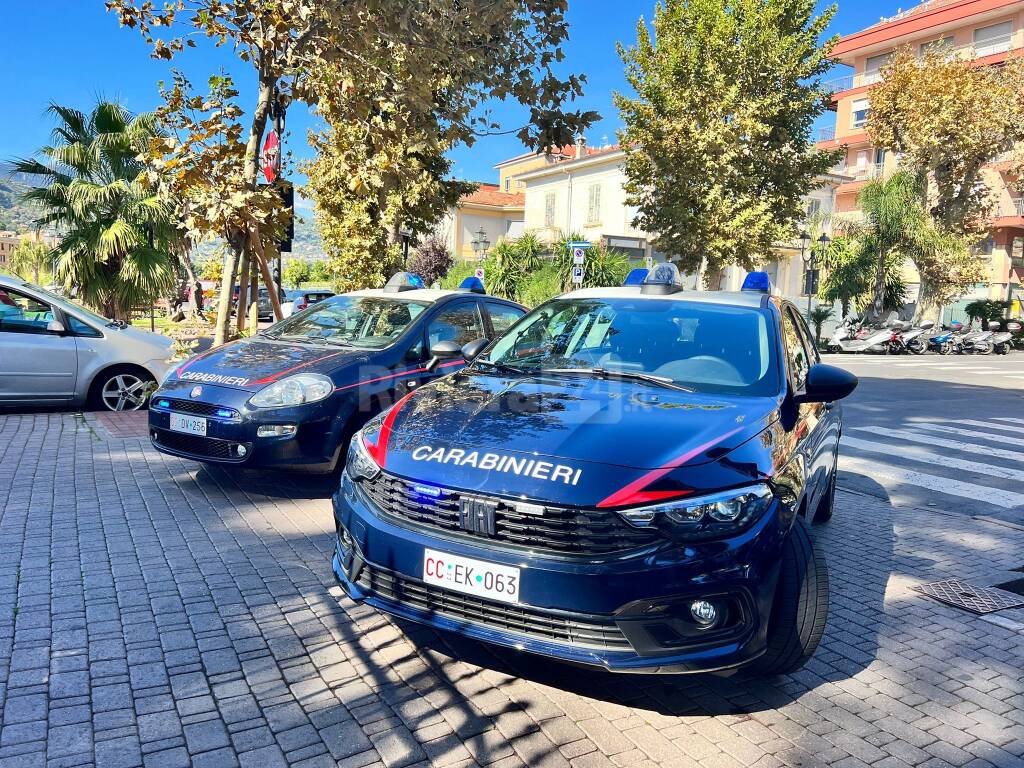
(379, 451)
(278, 375)
(634, 493)
(409, 372)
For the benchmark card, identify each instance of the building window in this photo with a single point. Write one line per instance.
(859, 113)
(549, 209)
(944, 46)
(508, 183)
(873, 68)
(813, 208)
(985, 247)
(991, 40)
(594, 204)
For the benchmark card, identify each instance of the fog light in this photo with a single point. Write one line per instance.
(241, 450)
(345, 539)
(703, 612)
(276, 430)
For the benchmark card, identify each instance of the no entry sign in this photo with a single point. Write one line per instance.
(270, 158)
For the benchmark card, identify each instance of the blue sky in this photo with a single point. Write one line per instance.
(71, 51)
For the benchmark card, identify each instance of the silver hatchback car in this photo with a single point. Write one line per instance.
(55, 352)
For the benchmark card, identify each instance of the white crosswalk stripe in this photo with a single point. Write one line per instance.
(971, 433)
(974, 464)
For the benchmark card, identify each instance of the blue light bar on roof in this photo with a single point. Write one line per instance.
(404, 281)
(635, 277)
(662, 280)
(757, 281)
(473, 284)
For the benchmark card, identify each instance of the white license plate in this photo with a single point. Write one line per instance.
(192, 425)
(471, 577)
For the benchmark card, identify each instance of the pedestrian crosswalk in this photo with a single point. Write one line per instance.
(964, 461)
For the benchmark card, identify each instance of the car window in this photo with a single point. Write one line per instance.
(461, 324)
(361, 321)
(708, 347)
(23, 314)
(79, 328)
(798, 361)
(503, 316)
(807, 339)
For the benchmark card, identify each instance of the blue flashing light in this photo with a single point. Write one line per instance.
(757, 281)
(163, 404)
(473, 284)
(636, 277)
(427, 492)
(224, 413)
(404, 281)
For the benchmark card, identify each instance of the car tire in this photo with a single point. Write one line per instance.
(102, 395)
(800, 609)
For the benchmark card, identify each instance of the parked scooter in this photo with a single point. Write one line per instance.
(876, 340)
(1002, 341)
(976, 342)
(944, 343)
(912, 340)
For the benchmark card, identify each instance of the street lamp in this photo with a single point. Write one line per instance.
(480, 244)
(406, 235)
(808, 260)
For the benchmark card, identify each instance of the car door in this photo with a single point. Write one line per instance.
(815, 439)
(460, 321)
(36, 364)
(501, 317)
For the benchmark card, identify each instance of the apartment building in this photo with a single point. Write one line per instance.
(984, 32)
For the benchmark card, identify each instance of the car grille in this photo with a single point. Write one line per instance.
(196, 408)
(563, 530)
(194, 445)
(590, 631)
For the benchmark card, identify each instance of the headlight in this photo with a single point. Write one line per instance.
(360, 464)
(703, 517)
(171, 371)
(299, 389)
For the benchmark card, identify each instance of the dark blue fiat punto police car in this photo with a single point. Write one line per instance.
(293, 396)
(624, 479)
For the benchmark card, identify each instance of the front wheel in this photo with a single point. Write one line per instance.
(121, 389)
(946, 348)
(800, 609)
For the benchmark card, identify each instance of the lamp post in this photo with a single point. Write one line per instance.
(406, 235)
(804, 240)
(812, 280)
(480, 244)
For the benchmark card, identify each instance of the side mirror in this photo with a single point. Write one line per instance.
(472, 350)
(55, 326)
(443, 350)
(826, 383)
(994, 326)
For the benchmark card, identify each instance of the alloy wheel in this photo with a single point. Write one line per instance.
(124, 392)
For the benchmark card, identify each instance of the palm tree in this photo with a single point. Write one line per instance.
(818, 316)
(31, 257)
(895, 220)
(119, 238)
(529, 247)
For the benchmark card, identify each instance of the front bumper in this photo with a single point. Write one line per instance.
(232, 435)
(628, 612)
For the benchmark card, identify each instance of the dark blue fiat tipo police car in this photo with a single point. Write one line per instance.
(292, 397)
(623, 479)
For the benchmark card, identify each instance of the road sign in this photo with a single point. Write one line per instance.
(579, 251)
(270, 157)
(577, 275)
(479, 273)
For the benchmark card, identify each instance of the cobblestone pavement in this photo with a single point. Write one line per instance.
(155, 613)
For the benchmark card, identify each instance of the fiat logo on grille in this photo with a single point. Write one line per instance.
(196, 392)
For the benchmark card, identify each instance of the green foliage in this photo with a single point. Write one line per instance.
(540, 285)
(503, 271)
(31, 260)
(319, 273)
(119, 237)
(458, 272)
(985, 310)
(718, 145)
(530, 248)
(212, 268)
(296, 272)
(432, 260)
(604, 267)
(818, 316)
(848, 276)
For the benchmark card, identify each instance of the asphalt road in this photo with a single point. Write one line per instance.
(937, 432)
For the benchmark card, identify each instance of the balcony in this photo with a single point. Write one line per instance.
(865, 172)
(1012, 208)
(967, 52)
(825, 134)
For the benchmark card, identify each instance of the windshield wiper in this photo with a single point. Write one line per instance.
(504, 367)
(336, 342)
(605, 373)
(269, 335)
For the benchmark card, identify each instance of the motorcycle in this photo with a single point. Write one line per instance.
(1002, 341)
(976, 342)
(911, 339)
(875, 340)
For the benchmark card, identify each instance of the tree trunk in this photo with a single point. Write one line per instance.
(927, 308)
(254, 297)
(267, 81)
(879, 303)
(242, 308)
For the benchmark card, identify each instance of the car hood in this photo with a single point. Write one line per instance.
(146, 337)
(251, 364)
(582, 434)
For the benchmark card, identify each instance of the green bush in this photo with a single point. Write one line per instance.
(544, 284)
(459, 272)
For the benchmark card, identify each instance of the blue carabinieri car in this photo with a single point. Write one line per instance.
(292, 397)
(623, 479)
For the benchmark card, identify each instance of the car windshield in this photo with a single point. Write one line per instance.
(373, 322)
(700, 346)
